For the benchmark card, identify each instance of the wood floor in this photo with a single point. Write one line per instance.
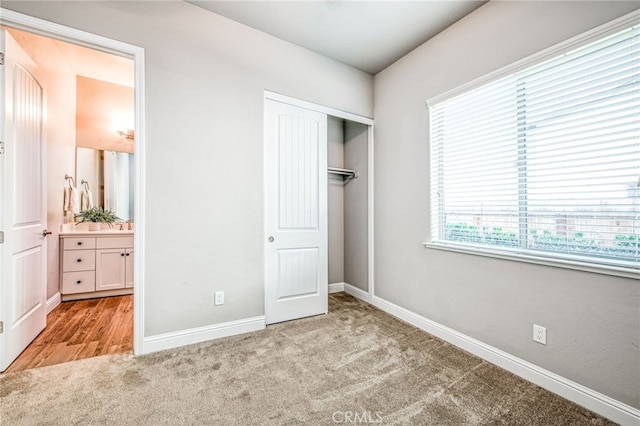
(81, 329)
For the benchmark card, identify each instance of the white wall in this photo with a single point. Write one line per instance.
(592, 320)
(205, 77)
(60, 86)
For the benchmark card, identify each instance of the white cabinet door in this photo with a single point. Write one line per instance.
(23, 218)
(296, 247)
(110, 269)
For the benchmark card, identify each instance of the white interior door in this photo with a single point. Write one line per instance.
(296, 268)
(23, 209)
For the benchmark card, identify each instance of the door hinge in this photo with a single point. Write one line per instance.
(1, 147)
(1, 58)
(1, 327)
(1, 237)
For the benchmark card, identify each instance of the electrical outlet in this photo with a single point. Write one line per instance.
(539, 334)
(219, 298)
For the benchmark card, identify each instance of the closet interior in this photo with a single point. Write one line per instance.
(347, 193)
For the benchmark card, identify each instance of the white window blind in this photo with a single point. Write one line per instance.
(545, 162)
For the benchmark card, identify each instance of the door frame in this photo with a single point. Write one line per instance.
(368, 295)
(41, 27)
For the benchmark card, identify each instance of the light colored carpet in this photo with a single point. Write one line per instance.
(355, 365)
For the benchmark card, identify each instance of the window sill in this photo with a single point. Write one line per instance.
(518, 256)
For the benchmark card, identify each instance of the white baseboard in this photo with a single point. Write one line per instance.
(53, 301)
(356, 292)
(201, 334)
(586, 397)
(336, 287)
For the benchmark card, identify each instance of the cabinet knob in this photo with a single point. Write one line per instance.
(121, 254)
(128, 254)
(79, 260)
(78, 282)
(79, 243)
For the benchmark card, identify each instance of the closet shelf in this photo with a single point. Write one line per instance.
(347, 173)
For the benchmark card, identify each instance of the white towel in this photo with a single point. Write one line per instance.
(67, 199)
(86, 200)
(74, 200)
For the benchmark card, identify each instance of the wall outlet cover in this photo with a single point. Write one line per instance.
(219, 298)
(539, 334)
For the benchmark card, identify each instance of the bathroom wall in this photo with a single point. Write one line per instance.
(102, 109)
(60, 92)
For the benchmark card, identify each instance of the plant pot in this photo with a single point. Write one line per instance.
(94, 226)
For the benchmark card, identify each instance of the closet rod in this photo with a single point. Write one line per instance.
(343, 172)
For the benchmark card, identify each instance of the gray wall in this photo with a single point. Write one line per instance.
(356, 231)
(335, 199)
(205, 77)
(592, 320)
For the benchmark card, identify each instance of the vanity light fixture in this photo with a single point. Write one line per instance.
(126, 135)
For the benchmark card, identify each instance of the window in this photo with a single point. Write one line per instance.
(545, 162)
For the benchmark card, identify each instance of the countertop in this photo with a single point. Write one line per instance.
(112, 232)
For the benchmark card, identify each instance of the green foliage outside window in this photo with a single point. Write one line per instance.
(623, 245)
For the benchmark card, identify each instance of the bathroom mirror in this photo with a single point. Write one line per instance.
(109, 175)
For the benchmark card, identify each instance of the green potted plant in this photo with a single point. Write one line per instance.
(97, 216)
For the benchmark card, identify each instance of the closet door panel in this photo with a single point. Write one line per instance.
(296, 247)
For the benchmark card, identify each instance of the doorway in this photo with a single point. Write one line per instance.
(64, 154)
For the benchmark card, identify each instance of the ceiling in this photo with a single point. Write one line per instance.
(368, 35)
(96, 64)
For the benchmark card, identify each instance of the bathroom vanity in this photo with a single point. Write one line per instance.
(96, 264)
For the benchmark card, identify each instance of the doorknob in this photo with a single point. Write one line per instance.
(271, 239)
(45, 233)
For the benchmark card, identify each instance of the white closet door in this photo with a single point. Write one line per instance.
(23, 213)
(296, 270)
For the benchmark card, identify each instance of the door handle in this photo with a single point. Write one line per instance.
(45, 233)
(271, 239)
